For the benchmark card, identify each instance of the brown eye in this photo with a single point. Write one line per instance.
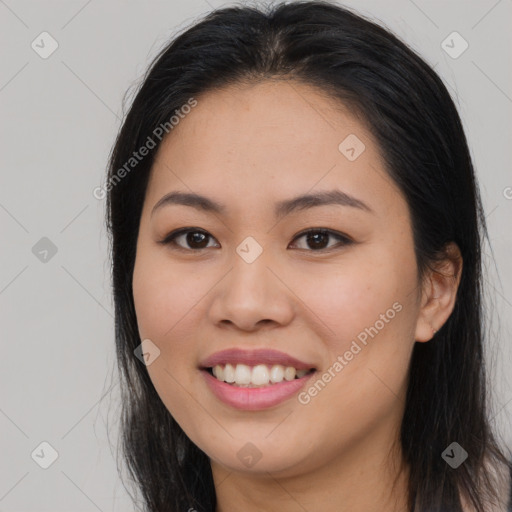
(195, 239)
(318, 239)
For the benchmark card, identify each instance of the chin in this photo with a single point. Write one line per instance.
(259, 457)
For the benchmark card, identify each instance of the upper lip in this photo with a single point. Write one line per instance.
(254, 357)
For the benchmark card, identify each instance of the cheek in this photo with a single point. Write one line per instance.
(165, 295)
(368, 318)
(366, 314)
(167, 304)
(351, 296)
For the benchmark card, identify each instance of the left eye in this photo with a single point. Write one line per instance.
(319, 237)
(197, 239)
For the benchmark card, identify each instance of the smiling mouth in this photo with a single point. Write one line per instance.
(257, 376)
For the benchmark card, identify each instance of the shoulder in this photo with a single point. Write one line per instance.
(505, 482)
(502, 477)
(509, 490)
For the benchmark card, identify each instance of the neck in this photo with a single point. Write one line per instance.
(370, 476)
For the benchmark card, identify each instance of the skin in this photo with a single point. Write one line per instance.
(248, 147)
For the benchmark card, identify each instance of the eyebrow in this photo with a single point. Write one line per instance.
(303, 202)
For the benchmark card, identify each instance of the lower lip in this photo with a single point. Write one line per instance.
(254, 399)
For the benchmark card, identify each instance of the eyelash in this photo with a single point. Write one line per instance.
(170, 239)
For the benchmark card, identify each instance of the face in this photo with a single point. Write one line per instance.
(329, 285)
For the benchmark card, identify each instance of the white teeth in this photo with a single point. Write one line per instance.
(229, 373)
(259, 375)
(243, 374)
(289, 373)
(277, 373)
(218, 371)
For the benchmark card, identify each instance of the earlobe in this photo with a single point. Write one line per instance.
(439, 293)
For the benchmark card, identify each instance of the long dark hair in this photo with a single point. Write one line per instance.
(420, 135)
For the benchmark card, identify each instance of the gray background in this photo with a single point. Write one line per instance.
(59, 117)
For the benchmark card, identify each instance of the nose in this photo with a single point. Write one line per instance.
(252, 296)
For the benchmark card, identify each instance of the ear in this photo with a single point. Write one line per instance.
(439, 292)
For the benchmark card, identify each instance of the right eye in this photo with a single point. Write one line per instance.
(194, 237)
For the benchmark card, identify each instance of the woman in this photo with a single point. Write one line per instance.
(295, 226)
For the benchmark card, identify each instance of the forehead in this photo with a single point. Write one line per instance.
(255, 140)
(272, 118)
